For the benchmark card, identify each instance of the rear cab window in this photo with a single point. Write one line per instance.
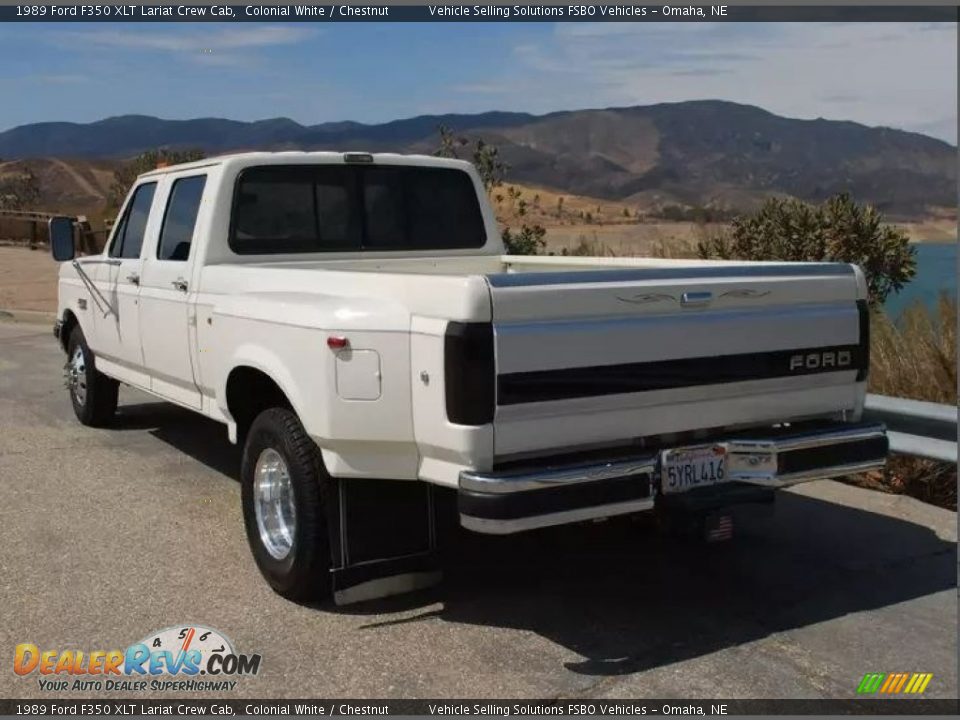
(128, 236)
(337, 208)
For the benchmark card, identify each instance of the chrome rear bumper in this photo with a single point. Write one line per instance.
(514, 500)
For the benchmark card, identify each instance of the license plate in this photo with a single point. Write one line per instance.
(685, 469)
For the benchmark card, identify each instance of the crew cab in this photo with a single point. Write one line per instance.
(354, 323)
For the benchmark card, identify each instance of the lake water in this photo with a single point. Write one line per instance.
(936, 272)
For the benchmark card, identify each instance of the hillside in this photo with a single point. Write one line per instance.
(692, 153)
(75, 186)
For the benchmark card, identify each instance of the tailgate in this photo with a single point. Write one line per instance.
(589, 358)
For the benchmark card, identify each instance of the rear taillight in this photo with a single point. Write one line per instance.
(470, 375)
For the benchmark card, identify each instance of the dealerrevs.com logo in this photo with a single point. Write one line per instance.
(182, 657)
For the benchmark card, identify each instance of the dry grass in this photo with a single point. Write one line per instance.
(916, 357)
(553, 208)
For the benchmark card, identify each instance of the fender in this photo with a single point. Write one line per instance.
(75, 306)
(267, 362)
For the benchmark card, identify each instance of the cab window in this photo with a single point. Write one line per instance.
(329, 208)
(180, 218)
(128, 238)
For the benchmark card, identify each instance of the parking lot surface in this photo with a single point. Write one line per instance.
(108, 535)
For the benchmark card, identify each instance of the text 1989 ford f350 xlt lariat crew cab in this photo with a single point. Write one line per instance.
(353, 321)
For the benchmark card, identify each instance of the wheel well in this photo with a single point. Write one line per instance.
(69, 323)
(250, 392)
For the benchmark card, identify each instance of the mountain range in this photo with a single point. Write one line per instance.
(705, 152)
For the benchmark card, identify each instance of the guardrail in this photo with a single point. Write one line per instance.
(921, 429)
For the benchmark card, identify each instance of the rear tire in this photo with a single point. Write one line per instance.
(284, 486)
(92, 394)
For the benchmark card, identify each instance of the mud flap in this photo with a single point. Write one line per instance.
(383, 539)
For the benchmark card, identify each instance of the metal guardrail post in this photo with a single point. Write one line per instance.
(918, 428)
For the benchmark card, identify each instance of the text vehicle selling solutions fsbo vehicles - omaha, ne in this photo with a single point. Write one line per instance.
(353, 321)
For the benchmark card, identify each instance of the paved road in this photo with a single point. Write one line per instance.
(110, 534)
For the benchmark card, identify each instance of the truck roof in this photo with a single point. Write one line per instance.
(298, 157)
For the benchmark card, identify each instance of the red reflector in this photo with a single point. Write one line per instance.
(335, 342)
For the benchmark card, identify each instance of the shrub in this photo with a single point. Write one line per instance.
(838, 230)
(529, 240)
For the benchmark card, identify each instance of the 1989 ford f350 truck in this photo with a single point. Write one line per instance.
(353, 321)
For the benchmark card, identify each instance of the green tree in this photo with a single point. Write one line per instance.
(125, 176)
(529, 240)
(485, 157)
(838, 230)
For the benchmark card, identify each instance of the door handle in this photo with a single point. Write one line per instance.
(180, 285)
(133, 278)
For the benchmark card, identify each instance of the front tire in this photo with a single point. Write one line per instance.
(283, 488)
(92, 394)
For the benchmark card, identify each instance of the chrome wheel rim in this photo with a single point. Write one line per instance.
(274, 504)
(77, 376)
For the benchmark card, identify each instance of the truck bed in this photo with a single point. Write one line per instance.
(590, 352)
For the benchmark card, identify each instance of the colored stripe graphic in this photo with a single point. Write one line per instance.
(894, 683)
(870, 683)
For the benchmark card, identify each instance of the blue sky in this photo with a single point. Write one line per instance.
(898, 75)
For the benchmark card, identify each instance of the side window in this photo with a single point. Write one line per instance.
(128, 239)
(180, 218)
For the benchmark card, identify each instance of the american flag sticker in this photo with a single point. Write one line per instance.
(720, 528)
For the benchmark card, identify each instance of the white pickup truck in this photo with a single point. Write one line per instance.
(354, 323)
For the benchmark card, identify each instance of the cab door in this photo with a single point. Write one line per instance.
(166, 312)
(116, 340)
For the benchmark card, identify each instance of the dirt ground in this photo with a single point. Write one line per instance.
(28, 280)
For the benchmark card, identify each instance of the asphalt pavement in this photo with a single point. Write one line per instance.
(107, 535)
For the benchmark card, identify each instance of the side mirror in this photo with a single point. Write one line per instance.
(61, 239)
